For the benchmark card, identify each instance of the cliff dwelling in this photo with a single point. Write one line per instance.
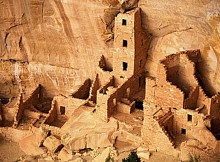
(92, 81)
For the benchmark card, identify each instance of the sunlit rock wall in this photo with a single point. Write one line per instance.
(74, 34)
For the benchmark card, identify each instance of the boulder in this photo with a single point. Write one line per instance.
(52, 144)
(64, 155)
(102, 156)
(144, 155)
(77, 144)
(41, 135)
(98, 140)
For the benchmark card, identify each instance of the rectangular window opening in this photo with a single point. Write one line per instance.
(124, 22)
(62, 110)
(189, 118)
(183, 131)
(125, 66)
(125, 43)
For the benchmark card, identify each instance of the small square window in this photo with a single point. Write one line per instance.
(183, 131)
(125, 66)
(189, 117)
(124, 22)
(125, 43)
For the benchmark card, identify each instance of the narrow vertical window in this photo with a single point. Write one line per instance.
(125, 66)
(62, 110)
(124, 22)
(189, 118)
(125, 43)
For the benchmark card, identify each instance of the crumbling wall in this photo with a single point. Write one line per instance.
(109, 95)
(68, 103)
(103, 99)
(167, 95)
(9, 111)
(53, 130)
(191, 101)
(165, 120)
(154, 135)
(193, 55)
(94, 88)
(19, 111)
(52, 115)
(83, 91)
(180, 72)
(204, 100)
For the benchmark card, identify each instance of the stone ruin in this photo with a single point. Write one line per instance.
(122, 109)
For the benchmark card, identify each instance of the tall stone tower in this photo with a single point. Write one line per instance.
(130, 45)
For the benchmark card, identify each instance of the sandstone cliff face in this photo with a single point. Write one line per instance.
(74, 34)
(182, 25)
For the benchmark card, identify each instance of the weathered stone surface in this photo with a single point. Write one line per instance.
(46, 32)
(30, 147)
(179, 26)
(98, 140)
(52, 144)
(79, 133)
(144, 155)
(41, 135)
(103, 155)
(77, 160)
(55, 44)
(64, 155)
(78, 143)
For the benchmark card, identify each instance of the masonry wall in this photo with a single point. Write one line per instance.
(155, 138)
(94, 88)
(19, 111)
(52, 115)
(182, 121)
(103, 76)
(106, 103)
(180, 72)
(134, 53)
(167, 95)
(196, 128)
(33, 99)
(70, 104)
(152, 132)
(191, 101)
(203, 100)
(186, 75)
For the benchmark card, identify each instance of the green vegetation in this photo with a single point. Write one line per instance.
(132, 158)
(109, 159)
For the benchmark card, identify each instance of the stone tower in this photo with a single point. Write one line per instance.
(130, 45)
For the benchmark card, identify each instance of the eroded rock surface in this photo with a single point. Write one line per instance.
(50, 48)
